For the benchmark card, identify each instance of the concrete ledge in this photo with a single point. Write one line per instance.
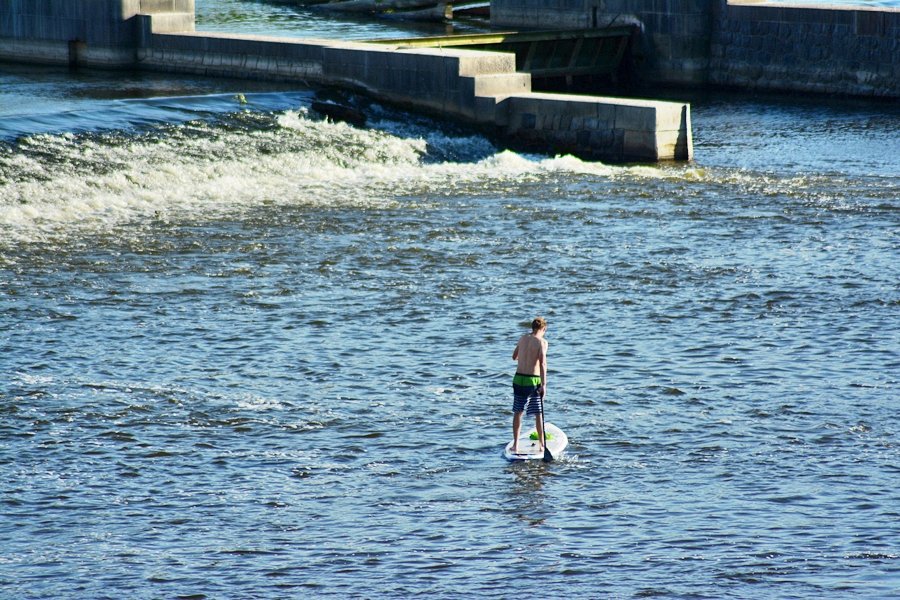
(501, 84)
(448, 80)
(833, 8)
(172, 22)
(44, 52)
(147, 7)
(51, 52)
(223, 55)
(609, 128)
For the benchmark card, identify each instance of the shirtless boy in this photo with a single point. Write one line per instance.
(530, 382)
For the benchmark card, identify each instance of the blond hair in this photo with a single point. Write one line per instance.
(538, 324)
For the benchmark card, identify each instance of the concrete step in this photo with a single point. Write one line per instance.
(174, 22)
(475, 62)
(153, 7)
(502, 84)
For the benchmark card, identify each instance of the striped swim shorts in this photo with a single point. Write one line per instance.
(525, 394)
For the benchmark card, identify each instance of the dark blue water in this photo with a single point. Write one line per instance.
(298, 19)
(247, 353)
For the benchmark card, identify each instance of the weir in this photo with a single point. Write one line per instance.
(480, 88)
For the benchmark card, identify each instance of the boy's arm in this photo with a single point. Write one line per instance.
(543, 360)
(516, 351)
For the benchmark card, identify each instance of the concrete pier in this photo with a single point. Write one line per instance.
(743, 44)
(475, 87)
(96, 33)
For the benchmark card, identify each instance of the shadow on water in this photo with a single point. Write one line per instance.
(526, 497)
(530, 497)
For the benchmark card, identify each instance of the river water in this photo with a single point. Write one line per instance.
(247, 353)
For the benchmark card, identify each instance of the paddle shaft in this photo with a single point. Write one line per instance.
(547, 456)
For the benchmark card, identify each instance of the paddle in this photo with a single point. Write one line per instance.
(547, 456)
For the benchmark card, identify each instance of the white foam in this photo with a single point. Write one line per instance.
(200, 171)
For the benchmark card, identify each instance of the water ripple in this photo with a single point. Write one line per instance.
(265, 355)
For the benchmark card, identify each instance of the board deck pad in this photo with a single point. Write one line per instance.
(528, 448)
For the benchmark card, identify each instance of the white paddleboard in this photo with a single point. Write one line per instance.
(528, 448)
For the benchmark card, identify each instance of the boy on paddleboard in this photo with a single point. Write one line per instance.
(530, 381)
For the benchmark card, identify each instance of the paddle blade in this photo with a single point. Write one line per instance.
(547, 456)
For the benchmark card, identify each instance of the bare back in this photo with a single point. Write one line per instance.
(531, 352)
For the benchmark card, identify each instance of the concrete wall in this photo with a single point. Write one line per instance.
(450, 81)
(776, 46)
(228, 55)
(62, 20)
(97, 32)
(481, 88)
(625, 128)
(466, 84)
(674, 35)
(748, 44)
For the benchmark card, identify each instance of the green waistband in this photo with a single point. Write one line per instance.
(532, 380)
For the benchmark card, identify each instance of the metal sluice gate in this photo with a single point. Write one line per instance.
(544, 54)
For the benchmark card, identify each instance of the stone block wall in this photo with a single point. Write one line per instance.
(99, 22)
(674, 45)
(674, 35)
(619, 129)
(542, 14)
(62, 20)
(828, 49)
(450, 81)
(99, 32)
(747, 44)
(227, 55)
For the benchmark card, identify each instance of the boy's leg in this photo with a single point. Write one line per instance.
(539, 425)
(517, 425)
